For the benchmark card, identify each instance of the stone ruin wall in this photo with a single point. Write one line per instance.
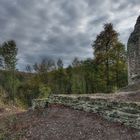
(134, 55)
(127, 113)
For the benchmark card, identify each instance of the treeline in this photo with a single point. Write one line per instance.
(106, 72)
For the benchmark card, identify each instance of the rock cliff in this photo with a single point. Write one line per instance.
(133, 47)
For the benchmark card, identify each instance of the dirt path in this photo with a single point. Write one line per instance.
(61, 123)
(6, 111)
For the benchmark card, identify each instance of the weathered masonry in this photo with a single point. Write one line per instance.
(127, 113)
(133, 47)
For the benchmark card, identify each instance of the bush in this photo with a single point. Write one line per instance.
(44, 91)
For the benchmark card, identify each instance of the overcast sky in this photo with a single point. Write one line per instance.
(62, 28)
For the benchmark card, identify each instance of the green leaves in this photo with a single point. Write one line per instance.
(44, 91)
(110, 54)
(9, 52)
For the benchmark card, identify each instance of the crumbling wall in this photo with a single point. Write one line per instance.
(127, 113)
(111, 109)
(133, 48)
(39, 103)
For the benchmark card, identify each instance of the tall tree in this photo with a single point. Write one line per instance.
(102, 46)
(9, 53)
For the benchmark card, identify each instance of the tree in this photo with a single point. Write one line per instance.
(1, 62)
(69, 79)
(60, 78)
(9, 53)
(43, 68)
(28, 68)
(60, 63)
(119, 64)
(102, 46)
(89, 75)
(76, 62)
(46, 65)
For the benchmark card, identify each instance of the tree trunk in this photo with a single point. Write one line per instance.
(107, 76)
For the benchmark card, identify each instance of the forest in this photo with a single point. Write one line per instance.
(106, 72)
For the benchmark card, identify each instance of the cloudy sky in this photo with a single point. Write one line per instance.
(62, 28)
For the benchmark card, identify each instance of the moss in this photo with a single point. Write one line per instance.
(124, 112)
(39, 103)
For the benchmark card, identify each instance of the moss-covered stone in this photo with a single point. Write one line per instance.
(127, 113)
(39, 103)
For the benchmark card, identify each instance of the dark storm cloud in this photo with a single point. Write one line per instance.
(62, 28)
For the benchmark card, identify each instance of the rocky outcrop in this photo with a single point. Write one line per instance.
(133, 48)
